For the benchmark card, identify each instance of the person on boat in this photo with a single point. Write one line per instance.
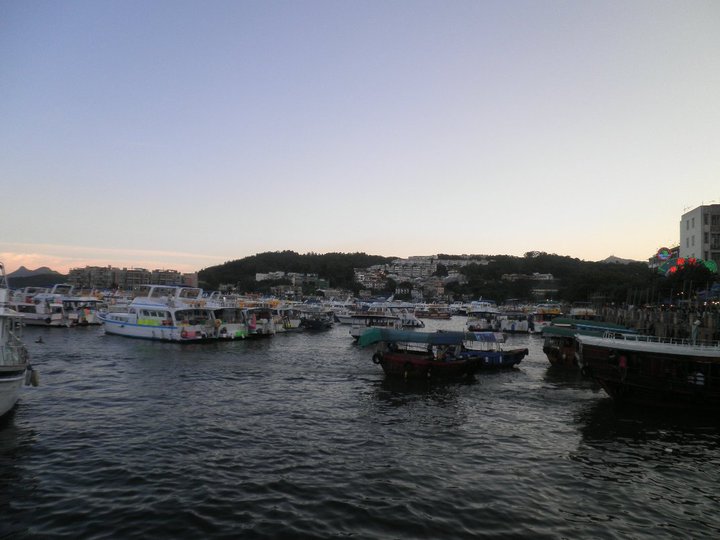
(695, 331)
(622, 366)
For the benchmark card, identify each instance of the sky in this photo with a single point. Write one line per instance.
(184, 134)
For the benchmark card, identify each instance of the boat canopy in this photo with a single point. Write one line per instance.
(376, 335)
(587, 325)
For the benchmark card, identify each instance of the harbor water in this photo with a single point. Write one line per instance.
(301, 436)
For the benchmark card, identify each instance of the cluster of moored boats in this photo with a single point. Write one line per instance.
(629, 366)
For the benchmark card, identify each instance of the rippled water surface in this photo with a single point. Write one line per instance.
(301, 436)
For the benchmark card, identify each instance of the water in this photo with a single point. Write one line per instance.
(301, 436)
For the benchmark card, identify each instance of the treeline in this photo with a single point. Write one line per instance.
(577, 280)
(337, 268)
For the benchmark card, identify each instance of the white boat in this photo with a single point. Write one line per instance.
(14, 359)
(482, 315)
(287, 318)
(260, 321)
(514, 322)
(582, 310)
(543, 315)
(164, 313)
(40, 307)
(82, 310)
(231, 320)
(367, 320)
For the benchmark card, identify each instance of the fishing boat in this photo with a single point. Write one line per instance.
(426, 355)
(15, 369)
(654, 372)
(164, 313)
(560, 344)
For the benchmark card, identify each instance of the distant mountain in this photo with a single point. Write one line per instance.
(23, 272)
(612, 259)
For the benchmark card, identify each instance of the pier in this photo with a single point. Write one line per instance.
(667, 322)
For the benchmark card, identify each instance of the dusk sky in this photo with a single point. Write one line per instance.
(183, 134)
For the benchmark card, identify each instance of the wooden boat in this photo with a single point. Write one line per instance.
(437, 355)
(650, 371)
(560, 345)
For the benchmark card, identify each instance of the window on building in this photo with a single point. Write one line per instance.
(687, 242)
(693, 239)
(706, 238)
(687, 225)
(693, 223)
(705, 219)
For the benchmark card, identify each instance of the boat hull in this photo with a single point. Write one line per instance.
(410, 365)
(11, 381)
(488, 360)
(651, 377)
(178, 334)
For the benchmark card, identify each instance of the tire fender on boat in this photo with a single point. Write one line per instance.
(377, 358)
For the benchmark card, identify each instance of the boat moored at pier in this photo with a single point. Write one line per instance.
(164, 313)
(654, 372)
(15, 369)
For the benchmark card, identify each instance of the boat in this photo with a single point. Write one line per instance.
(362, 322)
(288, 318)
(403, 311)
(261, 322)
(15, 369)
(82, 310)
(582, 310)
(433, 311)
(164, 313)
(543, 315)
(514, 322)
(316, 317)
(41, 308)
(482, 315)
(653, 372)
(441, 355)
(560, 344)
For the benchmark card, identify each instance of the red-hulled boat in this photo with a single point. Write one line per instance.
(437, 355)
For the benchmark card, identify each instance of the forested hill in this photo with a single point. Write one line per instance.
(335, 267)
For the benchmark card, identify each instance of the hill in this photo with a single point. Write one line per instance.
(337, 268)
(23, 272)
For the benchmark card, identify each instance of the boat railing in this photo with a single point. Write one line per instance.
(662, 340)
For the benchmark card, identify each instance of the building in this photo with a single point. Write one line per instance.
(108, 277)
(700, 233)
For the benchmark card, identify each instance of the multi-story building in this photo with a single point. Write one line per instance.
(107, 277)
(700, 233)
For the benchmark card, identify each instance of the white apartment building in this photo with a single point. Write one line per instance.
(700, 233)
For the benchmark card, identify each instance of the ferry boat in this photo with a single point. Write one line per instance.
(653, 372)
(164, 313)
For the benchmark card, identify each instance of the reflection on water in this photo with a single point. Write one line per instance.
(303, 436)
